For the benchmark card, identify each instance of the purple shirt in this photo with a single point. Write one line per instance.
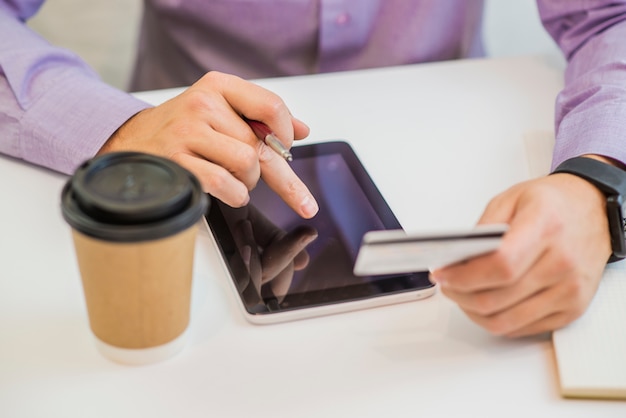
(56, 112)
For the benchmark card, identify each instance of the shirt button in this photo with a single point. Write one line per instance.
(342, 18)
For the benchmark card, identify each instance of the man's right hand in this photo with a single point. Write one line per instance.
(202, 130)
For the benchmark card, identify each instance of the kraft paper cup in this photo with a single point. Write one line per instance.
(134, 220)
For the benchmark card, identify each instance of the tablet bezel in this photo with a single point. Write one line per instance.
(400, 287)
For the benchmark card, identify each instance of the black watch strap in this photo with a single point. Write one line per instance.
(611, 181)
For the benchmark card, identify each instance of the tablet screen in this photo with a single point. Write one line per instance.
(262, 243)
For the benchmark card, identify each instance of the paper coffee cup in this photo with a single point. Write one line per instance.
(134, 220)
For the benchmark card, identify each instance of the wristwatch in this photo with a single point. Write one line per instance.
(611, 181)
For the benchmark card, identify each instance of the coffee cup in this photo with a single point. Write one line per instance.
(134, 219)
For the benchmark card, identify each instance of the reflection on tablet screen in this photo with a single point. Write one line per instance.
(262, 242)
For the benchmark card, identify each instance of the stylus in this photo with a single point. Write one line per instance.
(266, 135)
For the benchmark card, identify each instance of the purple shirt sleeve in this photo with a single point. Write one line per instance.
(54, 110)
(591, 109)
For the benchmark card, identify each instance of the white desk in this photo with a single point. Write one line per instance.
(453, 131)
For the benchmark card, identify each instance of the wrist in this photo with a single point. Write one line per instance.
(118, 140)
(610, 180)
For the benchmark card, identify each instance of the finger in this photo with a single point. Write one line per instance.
(252, 101)
(491, 301)
(218, 117)
(244, 240)
(279, 176)
(218, 114)
(522, 246)
(266, 232)
(549, 323)
(282, 252)
(216, 180)
(501, 208)
(246, 287)
(300, 129)
(217, 107)
(301, 260)
(241, 275)
(257, 103)
(514, 320)
(565, 300)
(281, 283)
(237, 157)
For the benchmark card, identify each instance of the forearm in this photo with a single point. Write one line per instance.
(54, 110)
(591, 109)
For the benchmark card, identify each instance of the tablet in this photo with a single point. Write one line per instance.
(283, 267)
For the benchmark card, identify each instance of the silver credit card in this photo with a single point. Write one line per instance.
(395, 251)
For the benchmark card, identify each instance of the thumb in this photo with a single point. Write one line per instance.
(501, 208)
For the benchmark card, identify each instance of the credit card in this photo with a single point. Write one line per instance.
(395, 251)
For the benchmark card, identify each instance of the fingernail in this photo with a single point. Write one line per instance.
(300, 120)
(246, 254)
(309, 207)
(435, 279)
(306, 240)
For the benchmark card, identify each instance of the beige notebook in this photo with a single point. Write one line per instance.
(591, 351)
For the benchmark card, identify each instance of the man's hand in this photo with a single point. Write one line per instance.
(202, 129)
(549, 265)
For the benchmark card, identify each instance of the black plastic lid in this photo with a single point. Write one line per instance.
(132, 196)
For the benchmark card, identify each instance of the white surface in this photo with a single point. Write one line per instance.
(539, 146)
(439, 140)
(513, 27)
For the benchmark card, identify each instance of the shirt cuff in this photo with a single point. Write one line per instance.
(71, 122)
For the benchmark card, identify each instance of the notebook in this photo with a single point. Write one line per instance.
(591, 351)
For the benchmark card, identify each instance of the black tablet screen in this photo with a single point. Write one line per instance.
(261, 241)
